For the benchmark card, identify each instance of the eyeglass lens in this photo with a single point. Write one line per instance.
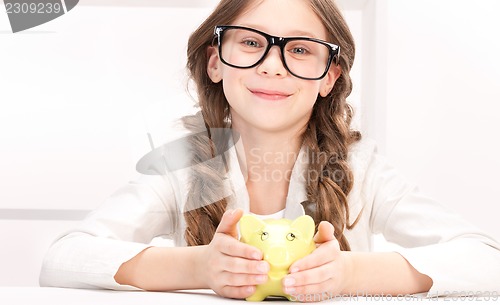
(304, 58)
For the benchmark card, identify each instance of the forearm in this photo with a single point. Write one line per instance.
(163, 269)
(387, 273)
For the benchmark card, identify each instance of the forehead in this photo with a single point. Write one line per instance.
(283, 18)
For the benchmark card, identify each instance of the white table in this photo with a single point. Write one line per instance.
(64, 296)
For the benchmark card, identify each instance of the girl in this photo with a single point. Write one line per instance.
(275, 73)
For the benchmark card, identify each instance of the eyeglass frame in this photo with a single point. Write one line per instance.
(333, 49)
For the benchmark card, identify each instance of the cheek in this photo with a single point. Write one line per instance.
(232, 83)
(312, 91)
(225, 70)
(232, 91)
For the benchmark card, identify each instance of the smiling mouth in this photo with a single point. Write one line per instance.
(270, 95)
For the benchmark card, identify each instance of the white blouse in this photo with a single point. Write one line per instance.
(277, 215)
(435, 240)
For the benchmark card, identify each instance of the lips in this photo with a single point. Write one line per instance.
(270, 94)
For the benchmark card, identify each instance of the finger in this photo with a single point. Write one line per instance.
(309, 277)
(242, 265)
(233, 247)
(237, 292)
(314, 292)
(325, 232)
(241, 279)
(228, 223)
(324, 254)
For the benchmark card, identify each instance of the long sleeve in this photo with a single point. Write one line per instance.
(437, 241)
(124, 225)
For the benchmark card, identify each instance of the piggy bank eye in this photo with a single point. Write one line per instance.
(290, 236)
(264, 236)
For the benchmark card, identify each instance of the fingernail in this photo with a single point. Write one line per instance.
(256, 255)
(289, 290)
(262, 267)
(229, 212)
(261, 278)
(250, 289)
(289, 281)
(294, 269)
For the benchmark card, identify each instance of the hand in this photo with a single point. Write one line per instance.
(322, 274)
(231, 268)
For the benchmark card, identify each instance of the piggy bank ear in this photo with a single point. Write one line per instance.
(304, 224)
(250, 224)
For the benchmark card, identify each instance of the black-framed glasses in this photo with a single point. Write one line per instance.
(304, 57)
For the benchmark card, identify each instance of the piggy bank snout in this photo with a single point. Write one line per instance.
(278, 256)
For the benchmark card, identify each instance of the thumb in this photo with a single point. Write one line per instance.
(229, 221)
(325, 232)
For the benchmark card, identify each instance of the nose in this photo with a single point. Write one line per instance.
(272, 65)
(278, 256)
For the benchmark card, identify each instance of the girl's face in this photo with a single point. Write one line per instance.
(267, 97)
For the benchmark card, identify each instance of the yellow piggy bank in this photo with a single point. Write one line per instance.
(282, 242)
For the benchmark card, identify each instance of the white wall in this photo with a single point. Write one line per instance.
(78, 94)
(443, 102)
(71, 89)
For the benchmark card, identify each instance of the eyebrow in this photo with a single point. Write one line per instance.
(291, 34)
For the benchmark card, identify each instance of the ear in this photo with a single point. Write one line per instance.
(250, 224)
(214, 64)
(304, 224)
(331, 77)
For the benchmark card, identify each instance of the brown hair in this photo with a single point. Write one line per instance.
(327, 137)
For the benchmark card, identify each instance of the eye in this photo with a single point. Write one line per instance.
(299, 51)
(264, 236)
(290, 236)
(251, 43)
